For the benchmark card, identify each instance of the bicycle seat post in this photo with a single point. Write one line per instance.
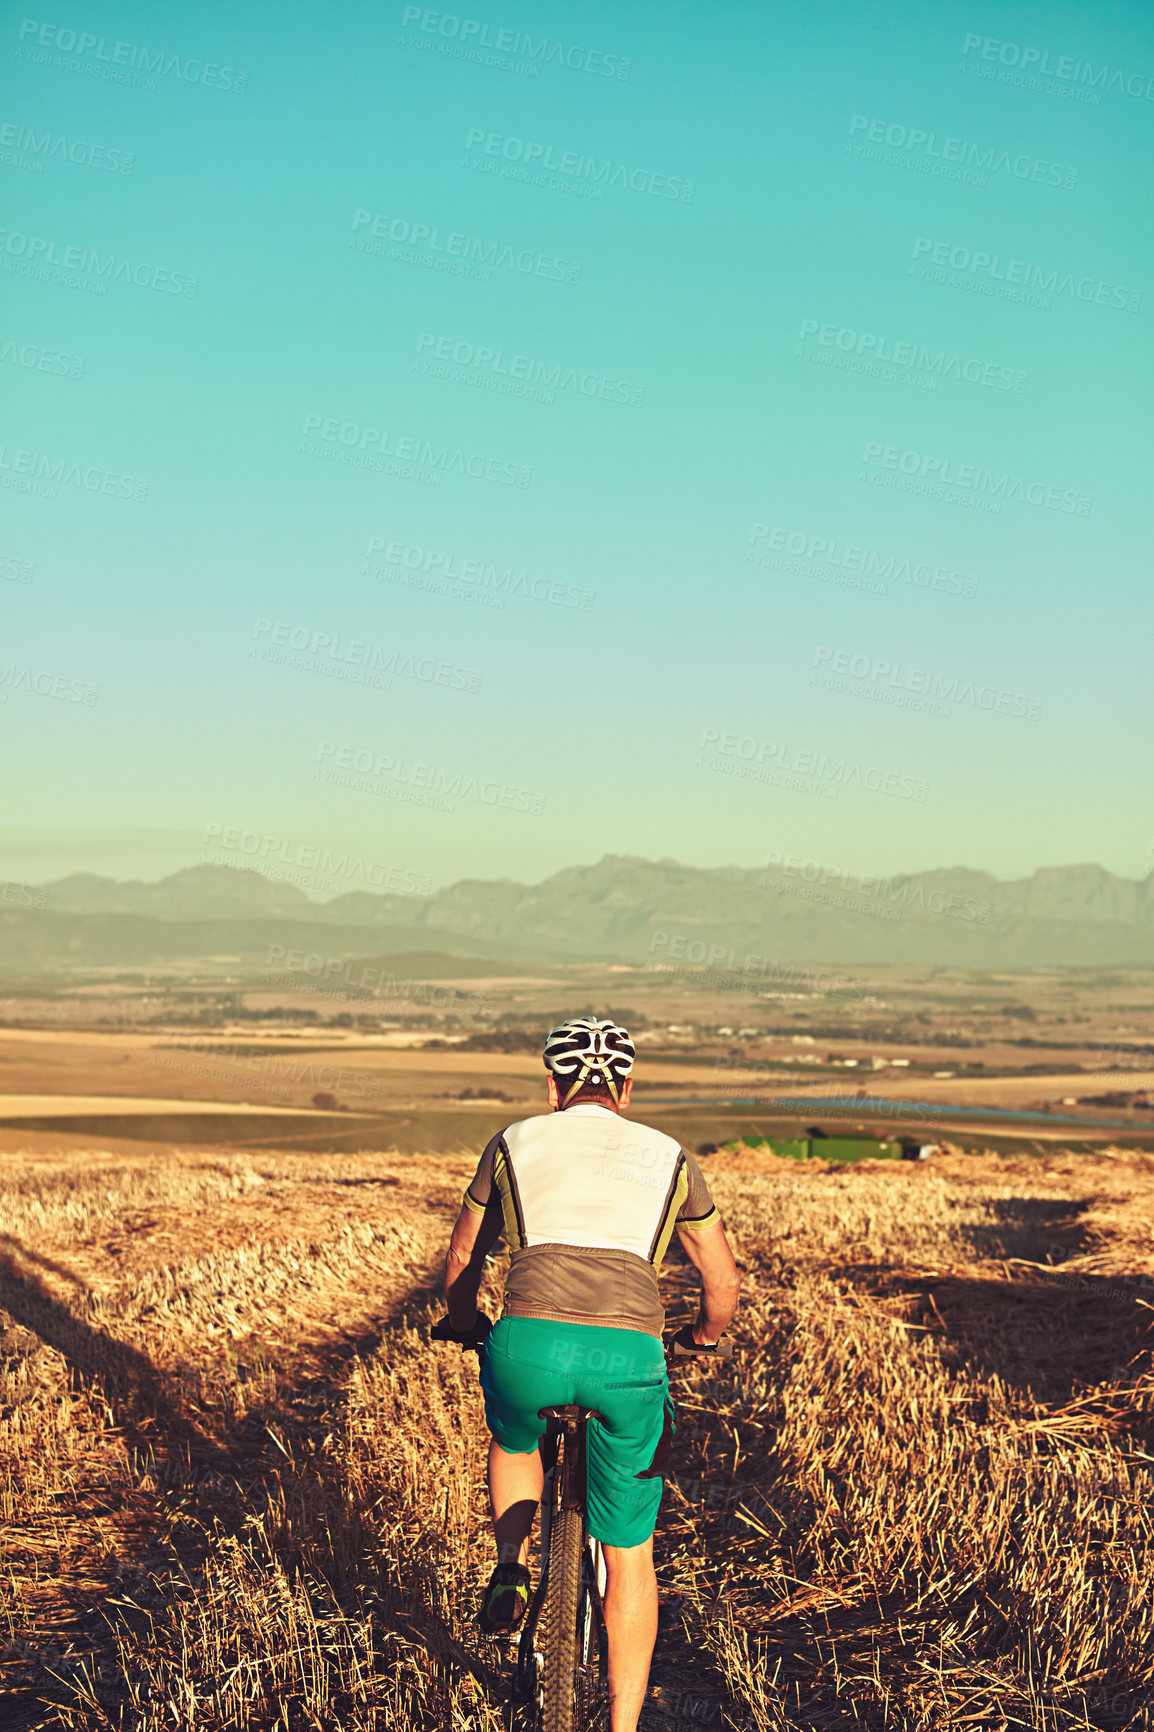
(569, 1421)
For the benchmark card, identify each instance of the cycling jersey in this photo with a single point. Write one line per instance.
(589, 1203)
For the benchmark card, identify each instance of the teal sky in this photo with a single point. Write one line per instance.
(656, 635)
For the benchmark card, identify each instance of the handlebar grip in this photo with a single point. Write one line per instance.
(684, 1346)
(468, 1340)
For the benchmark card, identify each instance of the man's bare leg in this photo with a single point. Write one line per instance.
(515, 1484)
(631, 1623)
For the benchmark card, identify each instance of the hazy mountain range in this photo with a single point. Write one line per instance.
(619, 910)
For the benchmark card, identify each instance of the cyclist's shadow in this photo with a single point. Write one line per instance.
(131, 1383)
(153, 1422)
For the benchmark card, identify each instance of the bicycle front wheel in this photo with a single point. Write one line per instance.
(559, 1622)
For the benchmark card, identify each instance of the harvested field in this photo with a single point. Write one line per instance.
(242, 1490)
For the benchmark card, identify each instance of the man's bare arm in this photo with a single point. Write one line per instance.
(708, 1250)
(473, 1238)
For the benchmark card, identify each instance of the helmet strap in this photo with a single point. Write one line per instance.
(575, 1086)
(585, 1072)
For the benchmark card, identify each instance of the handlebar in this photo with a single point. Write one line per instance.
(681, 1346)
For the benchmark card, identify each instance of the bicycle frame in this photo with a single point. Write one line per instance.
(563, 1458)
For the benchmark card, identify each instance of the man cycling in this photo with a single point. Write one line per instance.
(588, 1203)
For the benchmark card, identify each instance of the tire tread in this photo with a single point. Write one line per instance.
(559, 1620)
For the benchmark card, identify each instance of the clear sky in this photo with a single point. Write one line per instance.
(503, 437)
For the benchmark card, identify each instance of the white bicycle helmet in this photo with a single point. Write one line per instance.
(588, 1049)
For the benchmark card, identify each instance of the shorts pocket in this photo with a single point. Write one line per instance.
(656, 1468)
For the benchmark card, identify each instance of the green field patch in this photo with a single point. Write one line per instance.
(837, 1149)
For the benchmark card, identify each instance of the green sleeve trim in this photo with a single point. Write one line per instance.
(472, 1204)
(695, 1226)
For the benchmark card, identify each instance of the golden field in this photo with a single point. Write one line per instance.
(241, 1489)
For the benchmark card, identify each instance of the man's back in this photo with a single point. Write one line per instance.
(589, 1202)
(588, 1177)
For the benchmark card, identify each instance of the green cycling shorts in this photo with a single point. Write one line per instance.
(530, 1362)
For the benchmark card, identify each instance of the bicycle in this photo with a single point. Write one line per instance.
(560, 1676)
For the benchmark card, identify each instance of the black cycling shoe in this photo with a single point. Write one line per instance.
(504, 1601)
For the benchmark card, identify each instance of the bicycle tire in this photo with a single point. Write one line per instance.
(592, 1704)
(559, 1622)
